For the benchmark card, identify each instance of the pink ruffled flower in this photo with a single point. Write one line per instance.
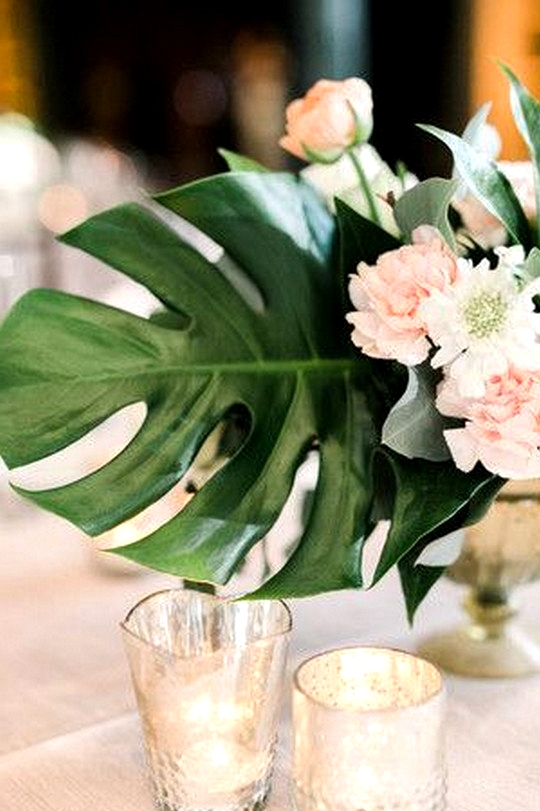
(330, 118)
(502, 428)
(387, 297)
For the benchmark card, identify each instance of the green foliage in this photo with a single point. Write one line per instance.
(488, 184)
(240, 163)
(67, 363)
(526, 110)
(258, 334)
(414, 427)
(427, 202)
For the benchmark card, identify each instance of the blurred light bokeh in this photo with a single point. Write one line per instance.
(110, 101)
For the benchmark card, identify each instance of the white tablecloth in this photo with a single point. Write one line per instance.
(69, 733)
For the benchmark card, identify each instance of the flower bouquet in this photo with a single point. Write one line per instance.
(387, 324)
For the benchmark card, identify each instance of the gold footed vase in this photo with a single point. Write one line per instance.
(499, 553)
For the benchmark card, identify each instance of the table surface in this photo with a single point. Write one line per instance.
(70, 738)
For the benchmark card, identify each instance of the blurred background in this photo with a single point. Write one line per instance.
(105, 101)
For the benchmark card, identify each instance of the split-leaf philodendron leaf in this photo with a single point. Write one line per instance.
(287, 364)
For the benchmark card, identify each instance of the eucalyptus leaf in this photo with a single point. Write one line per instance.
(526, 111)
(488, 183)
(474, 135)
(531, 268)
(427, 203)
(414, 427)
(474, 132)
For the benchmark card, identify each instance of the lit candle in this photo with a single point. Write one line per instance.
(217, 760)
(208, 673)
(368, 732)
(207, 740)
(216, 765)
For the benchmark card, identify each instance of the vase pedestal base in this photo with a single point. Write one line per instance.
(462, 652)
(500, 553)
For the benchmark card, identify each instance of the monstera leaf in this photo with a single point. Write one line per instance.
(268, 341)
(68, 363)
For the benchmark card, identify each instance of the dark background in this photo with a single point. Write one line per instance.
(127, 71)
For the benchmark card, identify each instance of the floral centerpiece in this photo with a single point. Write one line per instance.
(386, 323)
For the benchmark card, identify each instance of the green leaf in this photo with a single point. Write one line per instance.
(67, 363)
(282, 359)
(473, 132)
(427, 203)
(307, 571)
(251, 212)
(531, 269)
(526, 111)
(416, 583)
(414, 427)
(432, 499)
(417, 579)
(489, 185)
(240, 163)
(361, 239)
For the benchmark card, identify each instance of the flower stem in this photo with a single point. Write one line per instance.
(368, 193)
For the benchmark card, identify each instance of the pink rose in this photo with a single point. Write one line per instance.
(502, 428)
(330, 118)
(387, 297)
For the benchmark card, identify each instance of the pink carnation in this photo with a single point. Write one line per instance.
(387, 297)
(502, 428)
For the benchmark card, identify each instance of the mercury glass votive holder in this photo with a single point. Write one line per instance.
(208, 675)
(368, 732)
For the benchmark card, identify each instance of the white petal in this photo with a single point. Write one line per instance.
(462, 447)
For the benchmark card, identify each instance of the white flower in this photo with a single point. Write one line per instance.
(340, 179)
(484, 323)
(512, 258)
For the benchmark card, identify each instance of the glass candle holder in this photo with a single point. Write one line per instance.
(208, 675)
(368, 732)
(499, 554)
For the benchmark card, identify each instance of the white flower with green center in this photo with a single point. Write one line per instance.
(485, 314)
(483, 324)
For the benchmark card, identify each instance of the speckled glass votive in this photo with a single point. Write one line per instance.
(368, 728)
(208, 674)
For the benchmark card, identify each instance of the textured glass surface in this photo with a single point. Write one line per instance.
(499, 554)
(369, 732)
(502, 550)
(208, 675)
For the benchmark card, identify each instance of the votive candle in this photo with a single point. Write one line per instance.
(368, 732)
